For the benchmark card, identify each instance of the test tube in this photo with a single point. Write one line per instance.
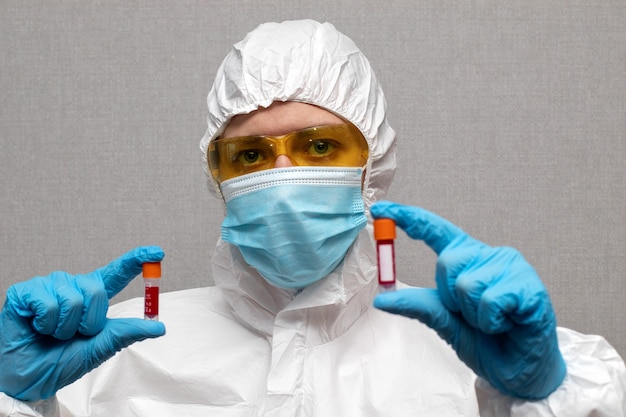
(152, 281)
(384, 234)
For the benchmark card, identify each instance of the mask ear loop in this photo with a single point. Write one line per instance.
(367, 169)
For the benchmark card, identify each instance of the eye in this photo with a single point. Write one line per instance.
(320, 147)
(249, 157)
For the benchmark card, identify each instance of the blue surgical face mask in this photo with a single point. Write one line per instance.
(294, 225)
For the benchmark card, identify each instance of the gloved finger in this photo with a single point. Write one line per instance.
(95, 304)
(479, 296)
(451, 263)
(121, 271)
(469, 290)
(118, 334)
(70, 302)
(418, 223)
(494, 309)
(34, 299)
(517, 297)
(424, 305)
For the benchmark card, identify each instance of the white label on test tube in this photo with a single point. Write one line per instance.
(385, 265)
(384, 234)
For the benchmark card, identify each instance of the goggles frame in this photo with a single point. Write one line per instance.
(328, 145)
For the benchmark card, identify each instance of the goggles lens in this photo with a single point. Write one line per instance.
(335, 145)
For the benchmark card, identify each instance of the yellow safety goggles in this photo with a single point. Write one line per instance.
(334, 145)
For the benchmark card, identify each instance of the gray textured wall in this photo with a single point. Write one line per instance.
(510, 116)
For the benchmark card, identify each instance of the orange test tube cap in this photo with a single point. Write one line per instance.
(384, 229)
(151, 269)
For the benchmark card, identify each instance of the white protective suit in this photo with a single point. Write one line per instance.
(246, 348)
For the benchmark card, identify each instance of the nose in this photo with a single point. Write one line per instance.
(282, 162)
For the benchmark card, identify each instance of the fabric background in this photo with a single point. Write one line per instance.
(510, 115)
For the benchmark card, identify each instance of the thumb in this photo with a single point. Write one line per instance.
(118, 334)
(84, 354)
(424, 305)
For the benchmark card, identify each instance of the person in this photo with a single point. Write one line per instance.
(299, 149)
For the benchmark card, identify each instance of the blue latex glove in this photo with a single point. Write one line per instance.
(54, 329)
(489, 305)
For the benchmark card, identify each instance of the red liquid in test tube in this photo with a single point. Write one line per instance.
(152, 282)
(385, 233)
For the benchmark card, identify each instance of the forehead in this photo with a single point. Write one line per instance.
(280, 118)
